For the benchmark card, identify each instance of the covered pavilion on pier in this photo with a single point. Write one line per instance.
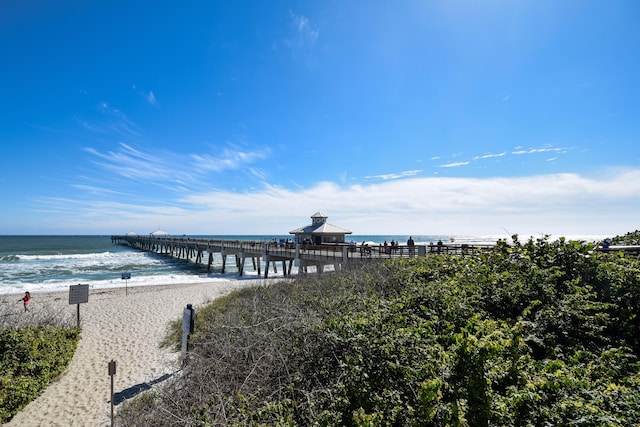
(319, 231)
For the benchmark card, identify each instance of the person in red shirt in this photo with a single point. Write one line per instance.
(26, 299)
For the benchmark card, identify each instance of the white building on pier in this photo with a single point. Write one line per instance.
(320, 231)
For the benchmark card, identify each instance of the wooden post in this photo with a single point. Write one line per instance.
(266, 265)
(240, 262)
(112, 372)
(224, 260)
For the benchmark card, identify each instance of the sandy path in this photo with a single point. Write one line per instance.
(124, 328)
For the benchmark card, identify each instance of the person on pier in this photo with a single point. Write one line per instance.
(412, 246)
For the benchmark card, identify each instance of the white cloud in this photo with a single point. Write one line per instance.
(161, 166)
(151, 98)
(559, 204)
(117, 123)
(539, 150)
(229, 158)
(386, 177)
(305, 32)
(454, 164)
(131, 163)
(518, 151)
(490, 156)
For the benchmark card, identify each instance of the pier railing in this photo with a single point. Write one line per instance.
(333, 252)
(304, 255)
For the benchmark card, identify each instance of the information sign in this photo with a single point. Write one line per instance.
(112, 372)
(188, 319)
(112, 368)
(78, 294)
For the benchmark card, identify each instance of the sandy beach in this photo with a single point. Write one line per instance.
(120, 327)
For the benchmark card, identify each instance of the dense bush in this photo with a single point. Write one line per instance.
(35, 347)
(533, 333)
(631, 238)
(30, 358)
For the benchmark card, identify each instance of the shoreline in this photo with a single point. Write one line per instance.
(139, 281)
(125, 328)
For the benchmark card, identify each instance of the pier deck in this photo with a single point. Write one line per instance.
(271, 252)
(202, 250)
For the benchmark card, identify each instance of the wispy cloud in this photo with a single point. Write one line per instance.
(304, 32)
(131, 163)
(172, 170)
(490, 156)
(386, 177)
(151, 97)
(97, 190)
(454, 164)
(302, 38)
(519, 152)
(228, 158)
(112, 122)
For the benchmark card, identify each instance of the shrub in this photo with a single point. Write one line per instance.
(30, 358)
(533, 333)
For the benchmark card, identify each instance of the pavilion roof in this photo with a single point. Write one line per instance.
(324, 228)
(159, 233)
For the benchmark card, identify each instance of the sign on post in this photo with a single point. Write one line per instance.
(112, 372)
(112, 368)
(188, 319)
(78, 294)
(126, 276)
(188, 322)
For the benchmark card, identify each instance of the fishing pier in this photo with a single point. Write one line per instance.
(246, 253)
(314, 247)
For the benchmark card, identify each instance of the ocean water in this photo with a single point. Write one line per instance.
(53, 263)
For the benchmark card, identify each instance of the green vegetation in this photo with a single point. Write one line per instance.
(631, 238)
(30, 358)
(35, 348)
(528, 334)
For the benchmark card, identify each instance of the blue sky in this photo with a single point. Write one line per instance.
(247, 117)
